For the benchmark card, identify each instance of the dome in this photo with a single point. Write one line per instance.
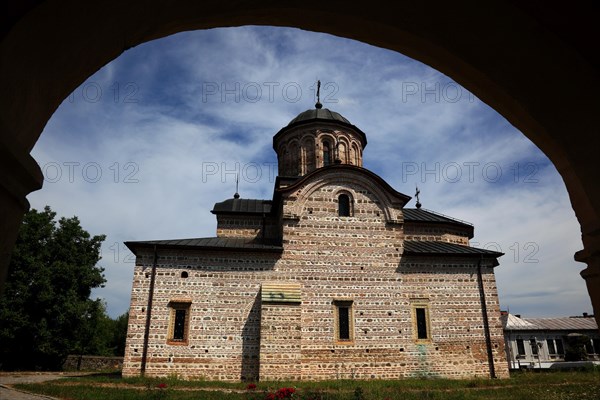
(317, 138)
(318, 113)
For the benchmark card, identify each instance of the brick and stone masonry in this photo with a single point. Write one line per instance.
(295, 289)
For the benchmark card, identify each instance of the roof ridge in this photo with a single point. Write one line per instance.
(439, 214)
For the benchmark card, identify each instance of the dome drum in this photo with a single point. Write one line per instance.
(317, 138)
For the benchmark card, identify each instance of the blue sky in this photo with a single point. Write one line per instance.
(145, 147)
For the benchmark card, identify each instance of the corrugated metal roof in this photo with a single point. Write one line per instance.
(213, 243)
(445, 248)
(243, 206)
(514, 322)
(422, 215)
(551, 324)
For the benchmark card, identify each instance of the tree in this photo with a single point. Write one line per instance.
(45, 308)
(575, 347)
(120, 334)
(100, 334)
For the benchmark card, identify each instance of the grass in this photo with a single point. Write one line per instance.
(584, 385)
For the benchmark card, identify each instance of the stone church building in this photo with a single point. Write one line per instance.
(331, 278)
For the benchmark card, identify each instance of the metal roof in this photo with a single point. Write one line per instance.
(415, 247)
(243, 206)
(210, 243)
(513, 322)
(550, 324)
(318, 113)
(422, 215)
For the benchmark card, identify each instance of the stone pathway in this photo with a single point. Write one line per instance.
(8, 379)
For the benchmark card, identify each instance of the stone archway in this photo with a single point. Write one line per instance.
(534, 64)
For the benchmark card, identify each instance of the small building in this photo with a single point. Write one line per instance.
(544, 342)
(333, 277)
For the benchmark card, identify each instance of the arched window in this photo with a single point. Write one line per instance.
(326, 154)
(342, 153)
(343, 205)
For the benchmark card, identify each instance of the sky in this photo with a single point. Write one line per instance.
(144, 148)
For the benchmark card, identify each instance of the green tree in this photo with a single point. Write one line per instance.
(575, 347)
(45, 309)
(102, 335)
(120, 334)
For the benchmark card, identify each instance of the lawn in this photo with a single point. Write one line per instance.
(582, 385)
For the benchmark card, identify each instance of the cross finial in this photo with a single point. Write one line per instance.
(318, 105)
(417, 193)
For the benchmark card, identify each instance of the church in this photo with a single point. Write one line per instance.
(332, 278)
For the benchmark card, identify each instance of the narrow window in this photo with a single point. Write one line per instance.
(559, 347)
(326, 154)
(520, 347)
(421, 316)
(343, 311)
(344, 205)
(344, 322)
(551, 346)
(179, 328)
(179, 323)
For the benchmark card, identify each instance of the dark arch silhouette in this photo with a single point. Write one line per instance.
(535, 64)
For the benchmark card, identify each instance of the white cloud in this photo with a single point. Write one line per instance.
(163, 122)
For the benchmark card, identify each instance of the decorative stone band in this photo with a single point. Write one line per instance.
(276, 292)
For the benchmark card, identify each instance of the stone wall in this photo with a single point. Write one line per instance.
(428, 232)
(92, 363)
(356, 260)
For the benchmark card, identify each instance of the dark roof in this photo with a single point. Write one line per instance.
(428, 216)
(422, 215)
(414, 247)
(242, 206)
(512, 322)
(318, 113)
(209, 243)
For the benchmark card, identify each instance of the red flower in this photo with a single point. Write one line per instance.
(161, 385)
(251, 386)
(270, 396)
(285, 393)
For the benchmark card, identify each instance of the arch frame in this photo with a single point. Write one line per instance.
(510, 57)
